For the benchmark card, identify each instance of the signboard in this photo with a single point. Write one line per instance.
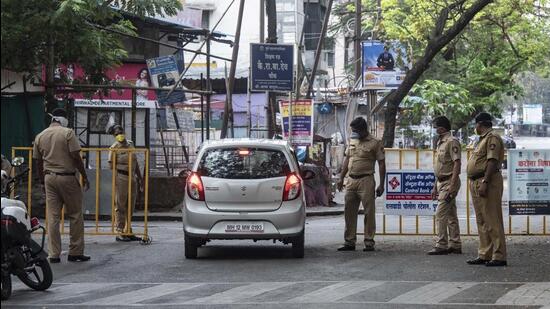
(272, 67)
(109, 103)
(529, 181)
(164, 73)
(408, 193)
(377, 71)
(302, 121)
(532, 114)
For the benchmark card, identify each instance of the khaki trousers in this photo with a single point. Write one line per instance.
(446, 219)
(64, 190)
(121, 203)
(490, 225)
(360, 191)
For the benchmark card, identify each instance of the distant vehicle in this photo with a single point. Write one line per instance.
(245, 189)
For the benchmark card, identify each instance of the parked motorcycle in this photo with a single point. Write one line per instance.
(21, 255)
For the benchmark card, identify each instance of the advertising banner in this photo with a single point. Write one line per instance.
(164, 74)
(529, 181)
(383, 69)
(408, 193)
(272, 67)
(302, 121)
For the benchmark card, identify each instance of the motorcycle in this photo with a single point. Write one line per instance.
(21, 255)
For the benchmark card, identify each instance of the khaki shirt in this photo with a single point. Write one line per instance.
(363, 154)
(54, 146)
(122, 156)
(490, 146)
(447, 152)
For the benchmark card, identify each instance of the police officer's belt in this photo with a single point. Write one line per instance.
(359, 176)
(443, 178)
(123, 172)
(476, 177)
(59, 174)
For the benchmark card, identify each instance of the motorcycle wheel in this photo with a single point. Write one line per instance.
(6, 286)
(32, 278)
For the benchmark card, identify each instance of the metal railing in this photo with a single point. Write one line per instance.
(100, 229)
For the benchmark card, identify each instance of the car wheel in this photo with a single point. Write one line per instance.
(298, 246)
(191, 247)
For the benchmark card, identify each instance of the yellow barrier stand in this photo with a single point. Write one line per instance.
(97, 228)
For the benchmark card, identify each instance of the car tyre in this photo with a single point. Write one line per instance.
(298, 246)
(191, 247)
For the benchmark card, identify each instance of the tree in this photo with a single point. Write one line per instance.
(40, 34)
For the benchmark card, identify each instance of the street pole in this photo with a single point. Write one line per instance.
(249, 109)
(134, 107)
(357, 40)
(271, 9)
(319, 46)
(289, 118)
(208, 86)
(202, 110)
(228, 108)
(262, 21)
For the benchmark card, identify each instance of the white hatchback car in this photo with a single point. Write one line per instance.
(245, 189)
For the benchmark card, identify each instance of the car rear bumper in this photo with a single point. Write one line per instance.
(286, 222)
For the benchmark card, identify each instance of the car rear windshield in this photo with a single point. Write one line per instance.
(243, 163)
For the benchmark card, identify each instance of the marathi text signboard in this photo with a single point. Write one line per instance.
(271, 67)
(529, 181)
(302, 121)
(408, 193)
(383, 69)
(165, 74)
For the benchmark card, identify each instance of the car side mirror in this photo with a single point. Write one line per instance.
(18, 161)
(307, 174)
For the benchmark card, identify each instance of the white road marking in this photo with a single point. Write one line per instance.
(432, 293)
(139, 295)
(336, 291)
(534, 293)
(239, 293)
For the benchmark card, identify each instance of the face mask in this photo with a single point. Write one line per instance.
(355, 135)
(120, 138)
(62, 120)
(434, 131)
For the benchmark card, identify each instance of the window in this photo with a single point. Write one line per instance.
(99, 120)
(243, 163)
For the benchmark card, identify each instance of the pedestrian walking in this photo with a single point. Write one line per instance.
(486, 185)
(362, 153)
(120, 158)
(447, 170)
(57, 152)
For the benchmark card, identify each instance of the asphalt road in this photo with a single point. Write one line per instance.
(243, 274)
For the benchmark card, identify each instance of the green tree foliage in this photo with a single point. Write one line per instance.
(37, 33)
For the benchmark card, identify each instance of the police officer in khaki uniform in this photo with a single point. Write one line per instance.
(363, 151)
(57, 152)
(121, 169)
(447, 171)
(486, 189)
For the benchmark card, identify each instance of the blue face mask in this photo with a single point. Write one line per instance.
(355, 135)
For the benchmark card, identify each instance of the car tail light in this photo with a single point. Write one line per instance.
(195, 189)
(293, 185)
(35, 222)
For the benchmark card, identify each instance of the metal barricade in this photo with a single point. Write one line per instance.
(98, 228)
(424, 226)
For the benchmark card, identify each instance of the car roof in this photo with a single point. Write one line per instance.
(254, 142)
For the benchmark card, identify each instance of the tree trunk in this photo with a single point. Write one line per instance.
(271, 11)
(439, 39)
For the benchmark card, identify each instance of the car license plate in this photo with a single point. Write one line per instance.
(244, 228)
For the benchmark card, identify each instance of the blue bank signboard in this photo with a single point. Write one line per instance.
(272, 67)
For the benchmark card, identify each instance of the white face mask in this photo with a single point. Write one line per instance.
(434, 132)
(62, 120)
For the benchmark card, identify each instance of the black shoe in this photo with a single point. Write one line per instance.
(78, 258)
(123, 238)
(477, 261)
(368, 248)
(134, 238)
(347, 248)
(438, 251)
(455, 250)
(493, 263)
(54, 260)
